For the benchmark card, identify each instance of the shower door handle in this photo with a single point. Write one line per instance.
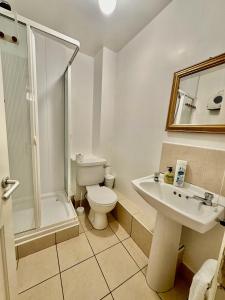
(5, 183)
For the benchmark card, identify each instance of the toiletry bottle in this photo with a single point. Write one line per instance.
(180, 173)
(169, 176)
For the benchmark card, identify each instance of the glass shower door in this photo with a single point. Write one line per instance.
(18, 108)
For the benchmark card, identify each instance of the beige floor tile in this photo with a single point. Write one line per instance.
(84, 282)
(37, 267)
(86, 225)
(48, 290)
(144, 270)
(136, 253)
(101, 239)
(117, 265)
(109, 297)
(73, 251)
(135, 288)
(117, 228)
(179, 292)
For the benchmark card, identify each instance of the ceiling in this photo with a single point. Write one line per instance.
(82, 20)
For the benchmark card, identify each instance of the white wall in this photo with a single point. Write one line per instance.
(184, 33)
(82, 103)
(81, 108)
(105, 77)
(144, 79)
(98, 60)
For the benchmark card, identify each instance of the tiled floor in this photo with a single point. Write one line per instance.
(96, 265)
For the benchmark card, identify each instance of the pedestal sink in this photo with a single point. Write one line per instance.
(175, 207)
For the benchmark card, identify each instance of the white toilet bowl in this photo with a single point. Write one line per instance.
(101, 200)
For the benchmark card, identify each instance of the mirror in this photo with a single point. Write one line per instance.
(197, 101)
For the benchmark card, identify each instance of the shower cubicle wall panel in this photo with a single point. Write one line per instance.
(52, 58)
(18, 121)
(34, 86)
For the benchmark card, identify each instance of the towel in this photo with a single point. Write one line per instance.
(202, 280)
(221, 277)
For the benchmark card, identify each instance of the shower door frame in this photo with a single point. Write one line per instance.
(34, 103)
(68, 133)
(34, 125)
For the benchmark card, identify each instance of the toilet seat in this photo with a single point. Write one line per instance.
(101, 195)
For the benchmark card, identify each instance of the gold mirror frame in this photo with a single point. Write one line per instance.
(170, 126)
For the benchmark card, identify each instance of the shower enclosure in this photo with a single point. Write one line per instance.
(37, 86)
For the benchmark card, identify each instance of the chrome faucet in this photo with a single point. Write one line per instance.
(207, 200)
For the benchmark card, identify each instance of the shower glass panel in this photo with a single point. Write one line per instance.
(18, 121)
(52, 58)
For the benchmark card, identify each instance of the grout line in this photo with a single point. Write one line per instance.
(121, 240)
(139, 269)
(60, 272)
(104, 296)
(102, 273)
(125, 281)
(80, 262)
(107, 296)
(98, 263)
(39, 283)
(131, 256)
(107, 248)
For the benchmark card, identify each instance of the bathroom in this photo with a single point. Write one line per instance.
(101, 89)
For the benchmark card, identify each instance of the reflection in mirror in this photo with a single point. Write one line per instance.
(200, 98)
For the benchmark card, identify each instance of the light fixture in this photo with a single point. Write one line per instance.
(107, 6)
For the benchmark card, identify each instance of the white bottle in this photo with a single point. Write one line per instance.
(180, 173)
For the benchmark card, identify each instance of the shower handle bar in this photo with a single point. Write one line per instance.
(7, 181)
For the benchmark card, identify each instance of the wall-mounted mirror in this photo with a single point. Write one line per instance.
(197, 101)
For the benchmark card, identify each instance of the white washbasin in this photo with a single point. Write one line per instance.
(175, 207)
(178, 204)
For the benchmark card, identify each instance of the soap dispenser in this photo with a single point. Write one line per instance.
(169, 176)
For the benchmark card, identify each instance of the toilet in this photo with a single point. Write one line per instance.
(90, 173)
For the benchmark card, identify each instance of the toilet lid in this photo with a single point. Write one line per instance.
(102, 195)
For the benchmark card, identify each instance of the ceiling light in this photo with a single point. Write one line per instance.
(107, 6)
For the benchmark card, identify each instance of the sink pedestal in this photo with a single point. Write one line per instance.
(163, 255)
